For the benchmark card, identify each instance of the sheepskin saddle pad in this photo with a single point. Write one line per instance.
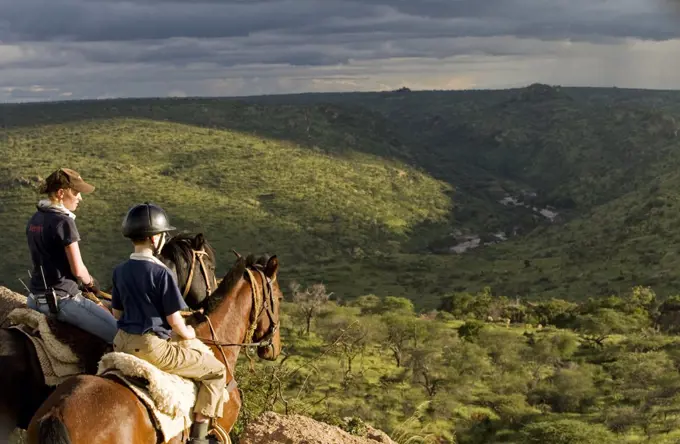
(10, 300)
(63, 350)
(169, 398)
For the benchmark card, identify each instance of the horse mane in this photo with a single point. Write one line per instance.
(234, 275)
(178, 250)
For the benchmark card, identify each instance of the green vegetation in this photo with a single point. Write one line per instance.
(564, 333)
(244, 192)
(367, 193)
(601, 371)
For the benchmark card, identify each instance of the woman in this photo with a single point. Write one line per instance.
(53, 242)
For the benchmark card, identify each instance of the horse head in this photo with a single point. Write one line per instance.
(192, 260)
(266, 329)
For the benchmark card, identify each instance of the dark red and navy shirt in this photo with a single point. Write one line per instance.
(48, 233)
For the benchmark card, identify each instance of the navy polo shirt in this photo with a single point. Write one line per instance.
(146, 292)
(48, 232)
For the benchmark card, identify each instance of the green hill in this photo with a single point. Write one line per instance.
(368, 192)
(244, 192)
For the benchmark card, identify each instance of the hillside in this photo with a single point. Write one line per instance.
(244, 192)
(601, 372)
(406, 180)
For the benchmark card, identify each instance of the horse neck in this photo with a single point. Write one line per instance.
(230, 320)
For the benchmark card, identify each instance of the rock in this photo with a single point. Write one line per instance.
(272, 428)
(378, 436)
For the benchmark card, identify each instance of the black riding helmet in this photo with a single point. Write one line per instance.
(145, 220)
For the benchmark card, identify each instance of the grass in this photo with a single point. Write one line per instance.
(244, 192)
(363, 191)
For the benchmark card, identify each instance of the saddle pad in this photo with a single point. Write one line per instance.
(168, 425)
(54, 371)
(9, 300)
(38, 322)
(171, 394)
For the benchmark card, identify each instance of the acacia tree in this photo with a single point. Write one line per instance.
(309, 302)
(426, 356)
(398, 334)
(349, 335)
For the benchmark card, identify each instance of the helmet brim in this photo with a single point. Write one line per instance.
(149, 233)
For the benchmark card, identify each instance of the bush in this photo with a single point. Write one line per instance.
(470, 329)
(567, 431)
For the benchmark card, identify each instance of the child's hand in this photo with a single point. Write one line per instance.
(191, 333)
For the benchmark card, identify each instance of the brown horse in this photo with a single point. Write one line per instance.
(98, 409)
(24, 388)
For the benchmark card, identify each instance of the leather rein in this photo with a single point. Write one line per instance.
(266, 303)
(259, 305)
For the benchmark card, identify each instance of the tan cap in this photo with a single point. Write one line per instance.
(66, 178)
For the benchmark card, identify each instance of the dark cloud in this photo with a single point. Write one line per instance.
(100, 48)
(40, 20)
(79, 20)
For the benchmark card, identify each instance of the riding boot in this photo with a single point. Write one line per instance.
(199, 433)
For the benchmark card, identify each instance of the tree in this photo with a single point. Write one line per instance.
(470, 329)
(399, 331)
(367, 304)
(429, 369)
(464, 304)
(604, 322)
(372, 304)
(643, 297)
(393, 304)
(567, 431)
(668, 318)
(309, 302)
(567, 390)
(347, 333)
(555, 312)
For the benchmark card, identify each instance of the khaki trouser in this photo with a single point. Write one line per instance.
(177, 358)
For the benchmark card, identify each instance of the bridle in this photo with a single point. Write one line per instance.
(266, 303)
(199, 254)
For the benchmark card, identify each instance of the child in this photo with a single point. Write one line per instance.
(147, 303)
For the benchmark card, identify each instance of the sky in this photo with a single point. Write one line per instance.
(88, 49)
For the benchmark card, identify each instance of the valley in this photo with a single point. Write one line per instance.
(535, 192)
(516, 250)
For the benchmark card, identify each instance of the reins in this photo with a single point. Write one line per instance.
(266, 303)
(258, 305)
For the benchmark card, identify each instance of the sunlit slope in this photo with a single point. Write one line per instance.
(244, 192)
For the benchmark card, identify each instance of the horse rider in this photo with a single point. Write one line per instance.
(59, 273)
(147, 302)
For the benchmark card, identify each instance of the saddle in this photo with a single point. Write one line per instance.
(9, 300)
(63, 350)
(169, 398)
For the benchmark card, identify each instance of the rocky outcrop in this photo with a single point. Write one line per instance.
(272, 428)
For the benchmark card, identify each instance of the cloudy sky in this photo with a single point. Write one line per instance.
(68, 49)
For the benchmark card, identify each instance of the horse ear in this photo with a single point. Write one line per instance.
(250, 260)
(272, 267)
(199, 241)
